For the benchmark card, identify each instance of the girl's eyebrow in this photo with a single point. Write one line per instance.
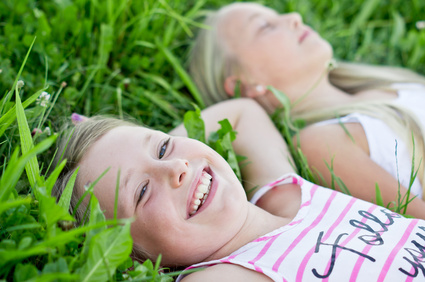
(252, 17)
(127, 179)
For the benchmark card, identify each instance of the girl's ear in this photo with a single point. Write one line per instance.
(230, 84)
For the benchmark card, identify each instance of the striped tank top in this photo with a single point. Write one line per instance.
(335, 237)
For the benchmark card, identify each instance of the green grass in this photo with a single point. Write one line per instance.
(127, 57)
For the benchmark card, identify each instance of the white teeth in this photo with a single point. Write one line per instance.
(206, 181)
(205, 198)
(202, 188)
(201, 192)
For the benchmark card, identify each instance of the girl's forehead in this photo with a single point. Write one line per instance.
(129, 132)
(244, 10)
(234, 23)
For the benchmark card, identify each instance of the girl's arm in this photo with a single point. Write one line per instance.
(351, 162)
(257, 139)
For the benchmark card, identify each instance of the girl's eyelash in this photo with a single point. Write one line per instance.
(267, 25)
(163, 149)
(264, 26)
(142, 192)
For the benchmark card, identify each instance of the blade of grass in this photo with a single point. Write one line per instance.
(89, 189)
(50, 182)
(32, 168)
(378, 197)
(181, 72)
(65, 198)
(12, 204)
(9, 95)
(117, 189)
(16, 165)
(161, 103)
(366, 11)
(9, 117)
(164, 84)
(346, 130)
(338, 180)
(119, 102)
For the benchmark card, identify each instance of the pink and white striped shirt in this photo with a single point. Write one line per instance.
(335, 237)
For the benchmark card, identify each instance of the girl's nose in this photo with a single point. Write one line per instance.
(294, 19)
(177, 170)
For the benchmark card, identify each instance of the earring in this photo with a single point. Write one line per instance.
(259, 88)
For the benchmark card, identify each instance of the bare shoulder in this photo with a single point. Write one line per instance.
(333, 137)
(343, 148)
(226, 272)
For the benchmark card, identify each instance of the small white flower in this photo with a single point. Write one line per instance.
(47, 131)
(20, 84)
(420, 24)
(331, 64)
(43, 99)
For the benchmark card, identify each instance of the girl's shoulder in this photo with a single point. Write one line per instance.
(335, 135)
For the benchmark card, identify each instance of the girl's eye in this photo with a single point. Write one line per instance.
(265, 25)
(163, 149)
(142, 192)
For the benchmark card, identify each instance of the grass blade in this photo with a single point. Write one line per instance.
(182, 73)
(7, 119)
(9, 95)
(32, 168)
(65, 198)
(50, 182)
(161, 103)
(16, 165)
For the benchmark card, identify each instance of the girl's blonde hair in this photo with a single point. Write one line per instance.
(73, 145)
(210, 64)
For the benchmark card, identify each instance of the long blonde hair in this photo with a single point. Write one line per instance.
(210, 65)
(73, 145)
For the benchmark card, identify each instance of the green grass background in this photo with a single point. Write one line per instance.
(127, 57)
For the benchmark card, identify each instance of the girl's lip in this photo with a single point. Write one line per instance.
(304, 35)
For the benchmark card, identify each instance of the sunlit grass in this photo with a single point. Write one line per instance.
(128, 58)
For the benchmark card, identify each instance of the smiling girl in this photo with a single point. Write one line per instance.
(189, 206)
(368, 114)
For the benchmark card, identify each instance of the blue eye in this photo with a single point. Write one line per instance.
(142, 192)
(163, 149)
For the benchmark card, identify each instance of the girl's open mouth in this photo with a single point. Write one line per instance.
(201, 193)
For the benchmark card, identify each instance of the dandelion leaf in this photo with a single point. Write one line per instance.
(107, 251)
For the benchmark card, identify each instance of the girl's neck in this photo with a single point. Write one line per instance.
(322, 95)
(258, 222)
(326, 95)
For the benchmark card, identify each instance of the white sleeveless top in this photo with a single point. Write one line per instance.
(382, 140)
